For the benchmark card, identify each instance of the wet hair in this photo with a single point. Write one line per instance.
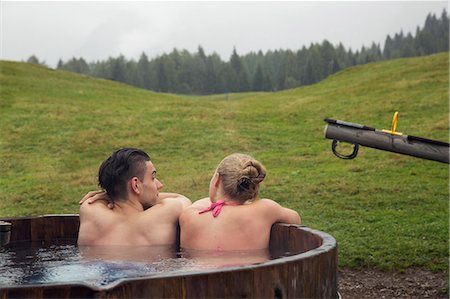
(240, 176)
(119, 168)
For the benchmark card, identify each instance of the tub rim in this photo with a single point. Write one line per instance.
(328, 243)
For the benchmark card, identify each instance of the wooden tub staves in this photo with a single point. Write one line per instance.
(310, 270)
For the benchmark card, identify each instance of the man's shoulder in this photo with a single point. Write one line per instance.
(197, 206)
(96, 220)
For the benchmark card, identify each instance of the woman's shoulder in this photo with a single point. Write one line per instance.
(265, 203)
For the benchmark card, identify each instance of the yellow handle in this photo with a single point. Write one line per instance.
(394, 122)
(393, 126)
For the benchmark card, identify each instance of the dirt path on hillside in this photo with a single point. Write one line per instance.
(415, 283)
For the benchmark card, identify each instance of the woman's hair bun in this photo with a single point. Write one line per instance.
(254, 171)
(244, 184)
(241, 176)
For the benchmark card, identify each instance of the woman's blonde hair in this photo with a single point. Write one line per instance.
(240, 175)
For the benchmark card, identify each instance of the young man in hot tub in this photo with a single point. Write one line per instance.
(141, 214)
(232, 217)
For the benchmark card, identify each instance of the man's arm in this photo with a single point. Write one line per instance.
(166, 196)
(94, 196)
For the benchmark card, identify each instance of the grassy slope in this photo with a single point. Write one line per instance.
(386, 210)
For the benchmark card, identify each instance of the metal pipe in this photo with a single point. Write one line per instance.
(403, 144)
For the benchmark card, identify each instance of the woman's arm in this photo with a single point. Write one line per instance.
(278, 213)
(93, 196)
(287, 215)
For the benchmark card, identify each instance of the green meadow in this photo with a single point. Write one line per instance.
(387, 211)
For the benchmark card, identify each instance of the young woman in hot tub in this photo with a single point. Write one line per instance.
(233, 217)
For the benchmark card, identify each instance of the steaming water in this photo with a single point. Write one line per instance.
(36, 263)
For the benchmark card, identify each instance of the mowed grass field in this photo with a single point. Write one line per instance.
(387, 211)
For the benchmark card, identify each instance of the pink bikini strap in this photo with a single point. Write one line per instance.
(215, 207)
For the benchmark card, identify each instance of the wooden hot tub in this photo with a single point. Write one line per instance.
(310, 272)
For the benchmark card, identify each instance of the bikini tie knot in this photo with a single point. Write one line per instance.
(215, 207)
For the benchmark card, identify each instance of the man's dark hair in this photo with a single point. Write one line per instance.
(120, 167)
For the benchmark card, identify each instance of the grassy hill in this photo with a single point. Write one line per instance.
(386, 210)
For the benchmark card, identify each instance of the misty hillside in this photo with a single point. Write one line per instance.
(57, 127)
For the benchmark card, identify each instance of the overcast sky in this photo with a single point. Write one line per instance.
(97, 30)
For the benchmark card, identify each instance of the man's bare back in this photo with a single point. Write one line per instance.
(138, 214)
(101, 225)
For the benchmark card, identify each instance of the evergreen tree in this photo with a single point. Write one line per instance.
(407, 48)
(300, 64)
(443, 33)
(424, 42)
(201, 53)
(60, 64)
(34, 60)
(335, 66)
(131, 75)
(388, 48)
(75, 65)
(288, 70)
(343, 57)
(235, 62)
(241, 82)
(143, 71)
(162, 82)
(186, 74)
(118, 69)
(230, 79)
(198, 73)
(267, 86)
(258, 80)
(215, 83)
(327, 53)
(314, 66)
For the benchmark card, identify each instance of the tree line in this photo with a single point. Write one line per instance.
(197, 73)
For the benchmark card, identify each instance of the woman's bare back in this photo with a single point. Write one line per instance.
(237, 227)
